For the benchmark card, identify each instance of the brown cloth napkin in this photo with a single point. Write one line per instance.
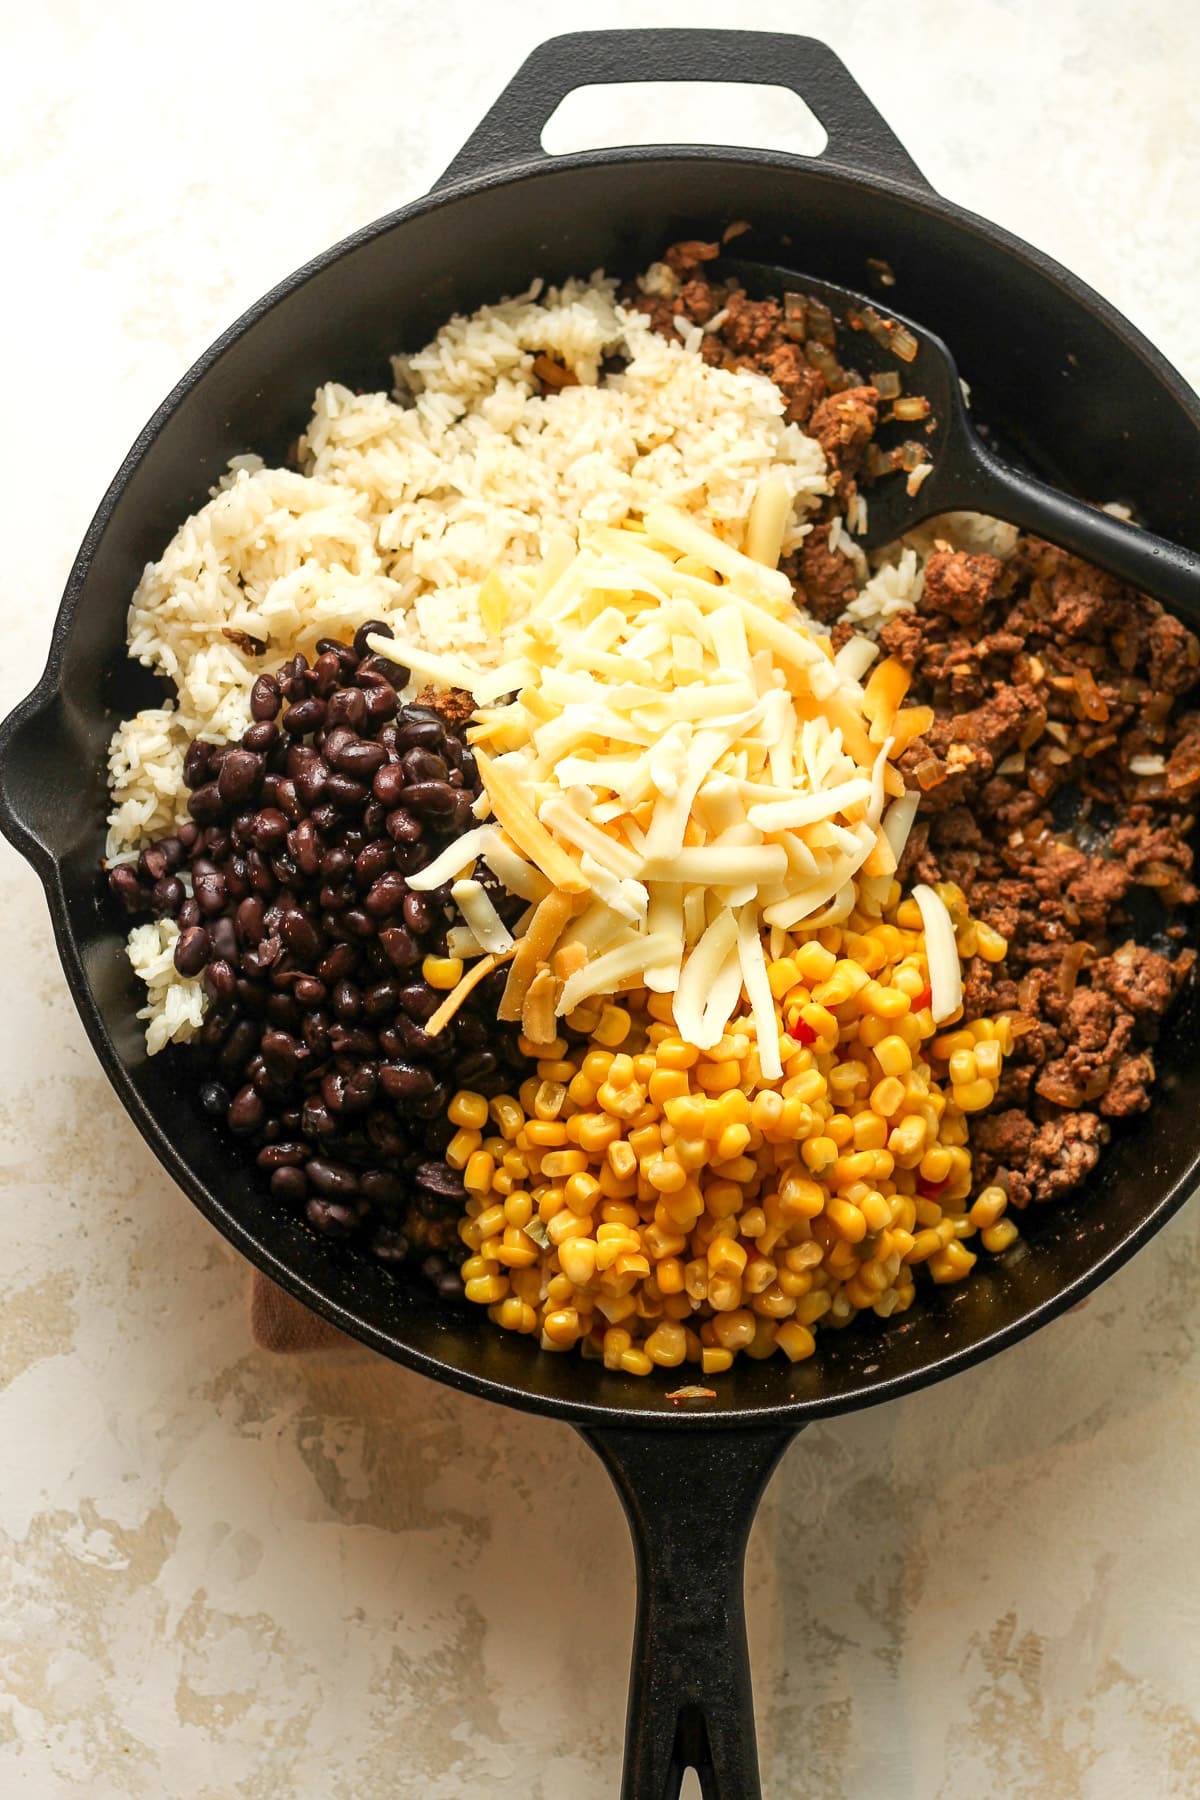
(281, 1324)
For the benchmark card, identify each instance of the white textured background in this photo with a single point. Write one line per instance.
(223, 1575)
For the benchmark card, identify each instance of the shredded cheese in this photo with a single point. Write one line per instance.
(941, 954)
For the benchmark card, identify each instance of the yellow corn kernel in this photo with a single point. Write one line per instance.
(925, 1244)
(819, 1153)
(564, 1162)
(893, 1055)
(990, 1203)
(561, 1071)
(561, 1327)
(507, 1115)
(581, 1091)
(714, 1360)
(612, 1027)
(673, 1053)
(665, 1175)
(999, 1236)
(595, 1065)
(667, 1084)
(814, 962)
(577, 1260)
(616, 1342)
(517, 1251)
(594, 1132)
(485, 1290)
(518, 1208)
(469, 1109)
(546, 1134)
(847, 1220)
(732, 1141)
(907, 1141)
(635, 1362)
(989, 943)
(766, 1109)
(442, 972)
(782, 975)
(490, 1221)
(813, 1306)
(667, 1345)
(876, 1211)
(514, 1314)
(725, 1257)
(870, 1127)
(734, 1330)
(477, 1176)
(795, 1340)
(461, 1148)
(566, 1225)
(549, 1100)
(620, 1159)
(970, 1096)
(963, 1067)
(724, 1293)
(884, 1004)
(887, 1097)
(951, 1263)
(989, 1060)
(936, 1165)
(718, 1077)
(581, 1192)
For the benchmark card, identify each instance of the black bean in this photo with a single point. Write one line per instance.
(418, 914)
(239, 1047)
(287, 799)
(264, 698)
(398, 946)
(325, 673)
(476, 1067)
(404, 827)
(372, 861)
(361, 1088)
(289, 1185)
(224, 939)
(282, 1010)
(420, 1001)
(261, 737)
(383, 703)
(387, 895)
(432, 799)
(309, 991)
(195, 764)
(358, 923)
(341, 961)
(246, 1112)
(303, 716)
(269, 829)
(206, 805)
(281, 1053)
(372, 628)
(423, 765)
(220, 982)
(311, 778)
(125, 887)
(461, 816)
(406, 1080)
(189, 914)
(301, 937)
(439, 1178)
(347, 707)
(208, 888)
(359, 757)
(346, 1000)
(346, 656)
(306, 847)
(344, 792)
(389, 1245)
(335, 895)
(214, 1099)
(192, 950)
(241, 772)
(316, 1120)
(333, 1217)
(381, 1000)
(249, 920)
(168, 895)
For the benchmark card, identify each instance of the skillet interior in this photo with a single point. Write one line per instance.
(1054, 371)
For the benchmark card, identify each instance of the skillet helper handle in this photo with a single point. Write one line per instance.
(1153, 565)
(690, 1498)
(40, 779)
(860, 139)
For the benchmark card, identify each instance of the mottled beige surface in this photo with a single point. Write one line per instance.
(225, 1575)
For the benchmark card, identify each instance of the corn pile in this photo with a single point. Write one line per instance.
(654, 1204)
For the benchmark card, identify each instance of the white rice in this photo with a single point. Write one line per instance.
(407, 502)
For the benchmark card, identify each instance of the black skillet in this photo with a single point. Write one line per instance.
(1072, 387)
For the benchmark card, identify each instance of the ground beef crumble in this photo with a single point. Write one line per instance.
(1048, 679)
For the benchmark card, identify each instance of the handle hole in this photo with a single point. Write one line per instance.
(683, 112)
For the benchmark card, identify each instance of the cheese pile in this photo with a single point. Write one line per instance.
(680, 767)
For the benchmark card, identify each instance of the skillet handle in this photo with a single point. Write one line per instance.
(35, 786)
(860, 140)
(690, 1498)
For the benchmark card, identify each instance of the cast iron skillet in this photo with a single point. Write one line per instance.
(1068, 382)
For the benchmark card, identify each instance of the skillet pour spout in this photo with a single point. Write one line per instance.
(1082, 397)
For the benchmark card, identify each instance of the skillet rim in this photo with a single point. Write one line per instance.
(790, 1414)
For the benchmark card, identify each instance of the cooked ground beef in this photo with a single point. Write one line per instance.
(1047, 679)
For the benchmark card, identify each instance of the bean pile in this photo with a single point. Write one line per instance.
(320, 966)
